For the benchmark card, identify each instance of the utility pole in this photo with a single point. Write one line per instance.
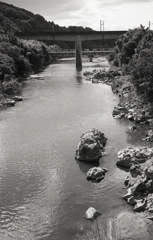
(101, 24)
(150, 24)
(53, 29)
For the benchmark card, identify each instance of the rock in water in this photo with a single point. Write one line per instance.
(91, 213)
(17, 98)
(91, 146)
(9, 103)
(96, 173)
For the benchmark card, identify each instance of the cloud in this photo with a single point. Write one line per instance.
(105, 3)
(117, 14)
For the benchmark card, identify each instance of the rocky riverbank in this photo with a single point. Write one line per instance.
(131, 106)
(139, 160)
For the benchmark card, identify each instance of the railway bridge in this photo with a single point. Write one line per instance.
(76, 37)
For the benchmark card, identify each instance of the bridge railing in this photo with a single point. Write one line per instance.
(72, 53)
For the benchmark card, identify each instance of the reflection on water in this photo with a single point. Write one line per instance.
(44, 191)
(79, 76)
(84, 167)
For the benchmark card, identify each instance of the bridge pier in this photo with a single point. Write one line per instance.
(78, 53)
(90, 58)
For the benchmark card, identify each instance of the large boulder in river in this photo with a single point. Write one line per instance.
(91, 146)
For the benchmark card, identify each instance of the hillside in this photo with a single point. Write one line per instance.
(17, 19)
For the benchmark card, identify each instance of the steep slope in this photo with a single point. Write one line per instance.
(17, 19)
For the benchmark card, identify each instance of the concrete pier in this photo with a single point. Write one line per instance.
(78, 52)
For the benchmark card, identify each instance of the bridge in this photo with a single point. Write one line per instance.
(76, 37)
(71, 53)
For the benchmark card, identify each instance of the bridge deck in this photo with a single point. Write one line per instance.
(71, 36)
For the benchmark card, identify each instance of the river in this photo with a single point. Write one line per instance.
(43, 189)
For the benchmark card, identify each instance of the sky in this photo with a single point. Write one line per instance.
(115, 14)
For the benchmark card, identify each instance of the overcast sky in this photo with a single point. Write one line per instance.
(116, 14)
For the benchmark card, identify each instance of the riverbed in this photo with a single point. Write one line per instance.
(43, 189)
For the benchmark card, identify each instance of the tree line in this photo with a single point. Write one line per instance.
(134, 54)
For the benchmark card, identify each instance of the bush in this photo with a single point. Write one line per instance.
(7, 64)
(142, 71)
(134, 52)
(10, 87)
(23, 66)
(127, 43)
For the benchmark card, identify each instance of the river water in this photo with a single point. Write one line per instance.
(43, 189)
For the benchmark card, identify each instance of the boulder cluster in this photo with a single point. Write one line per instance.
(139, 183)
(134, 155)
(91, 149)
(10, 102)
(134, 111)
(101, 76)
(139, 160)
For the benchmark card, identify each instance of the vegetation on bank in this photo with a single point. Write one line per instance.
(134, 54)
(18, 59)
